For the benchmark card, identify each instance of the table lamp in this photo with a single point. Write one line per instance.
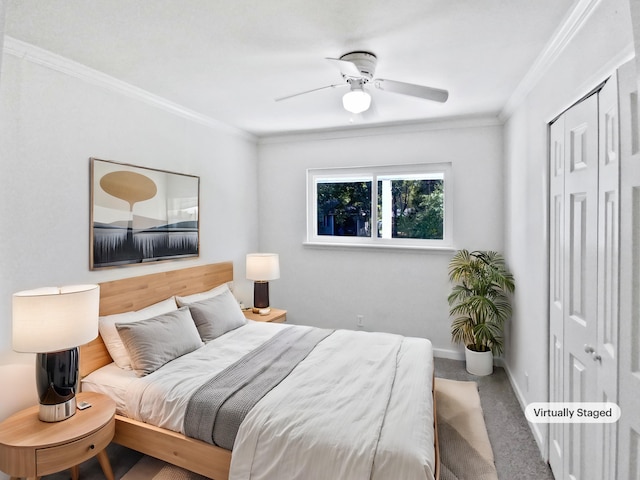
(262, 267)
(53, 322)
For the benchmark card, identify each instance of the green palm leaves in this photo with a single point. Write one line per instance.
(479, 300)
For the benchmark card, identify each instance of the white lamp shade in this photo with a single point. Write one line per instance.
(356, 101)
(263, 266)
(51, 319)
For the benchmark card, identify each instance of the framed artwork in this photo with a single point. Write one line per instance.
(141, 215)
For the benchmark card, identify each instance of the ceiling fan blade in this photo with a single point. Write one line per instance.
(347, 68)
(310, 91)
(428, 93)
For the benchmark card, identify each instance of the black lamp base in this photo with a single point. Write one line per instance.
(57, 384)
(261, 294)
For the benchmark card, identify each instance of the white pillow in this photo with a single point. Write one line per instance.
(111, 337)
(198, 297)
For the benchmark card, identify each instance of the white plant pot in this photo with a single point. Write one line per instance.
(479, 363)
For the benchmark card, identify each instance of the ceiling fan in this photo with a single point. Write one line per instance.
(357, 70)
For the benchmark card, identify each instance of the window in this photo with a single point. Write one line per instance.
(406, 205)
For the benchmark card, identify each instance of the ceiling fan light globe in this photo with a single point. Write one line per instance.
(356, 101)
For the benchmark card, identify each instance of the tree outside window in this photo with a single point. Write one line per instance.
(344, 209)
(416, 209)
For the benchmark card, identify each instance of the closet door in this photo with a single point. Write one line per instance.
(573, 282)
(585, 282)
(556, 288)
(606, 348)
(580, 280)
(629, 393)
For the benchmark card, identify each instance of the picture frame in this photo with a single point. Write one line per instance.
(141, 215)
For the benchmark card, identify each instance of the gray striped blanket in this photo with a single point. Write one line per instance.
(216, 410)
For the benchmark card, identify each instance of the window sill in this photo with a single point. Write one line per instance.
(369, 246)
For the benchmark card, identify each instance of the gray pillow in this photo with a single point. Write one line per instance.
(153, 342)
(217, 315)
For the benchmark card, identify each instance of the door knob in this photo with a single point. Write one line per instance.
(592, 351)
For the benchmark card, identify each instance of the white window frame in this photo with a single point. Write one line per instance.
(372, 174)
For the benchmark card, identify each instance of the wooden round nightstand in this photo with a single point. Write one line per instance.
(30, 448)
(275, 315)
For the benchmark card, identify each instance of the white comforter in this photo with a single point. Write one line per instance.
(358, 407)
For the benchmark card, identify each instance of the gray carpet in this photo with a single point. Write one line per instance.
(516, 454)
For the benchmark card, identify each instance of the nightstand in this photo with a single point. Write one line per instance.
(31, 448)
(276, 315)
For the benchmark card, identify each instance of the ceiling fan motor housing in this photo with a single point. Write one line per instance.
(365, 61)
(358, 69)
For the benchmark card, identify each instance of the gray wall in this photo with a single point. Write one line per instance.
(51, 123)
(399, 291)
(598, 48)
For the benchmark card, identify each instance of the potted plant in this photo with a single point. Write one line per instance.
(479, 304)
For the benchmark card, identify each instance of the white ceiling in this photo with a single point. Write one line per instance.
(229, 59)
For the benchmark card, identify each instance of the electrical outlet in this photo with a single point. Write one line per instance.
(360, 321)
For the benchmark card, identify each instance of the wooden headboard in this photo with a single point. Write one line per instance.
(128, 294)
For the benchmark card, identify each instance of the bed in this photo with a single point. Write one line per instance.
(294, 428)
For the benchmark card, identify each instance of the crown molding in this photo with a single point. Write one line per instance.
(572, 23)
(449, 123)
(603, 73)
(39, 56)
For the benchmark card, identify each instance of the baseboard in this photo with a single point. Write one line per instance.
(447, 353)
(538, 435)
